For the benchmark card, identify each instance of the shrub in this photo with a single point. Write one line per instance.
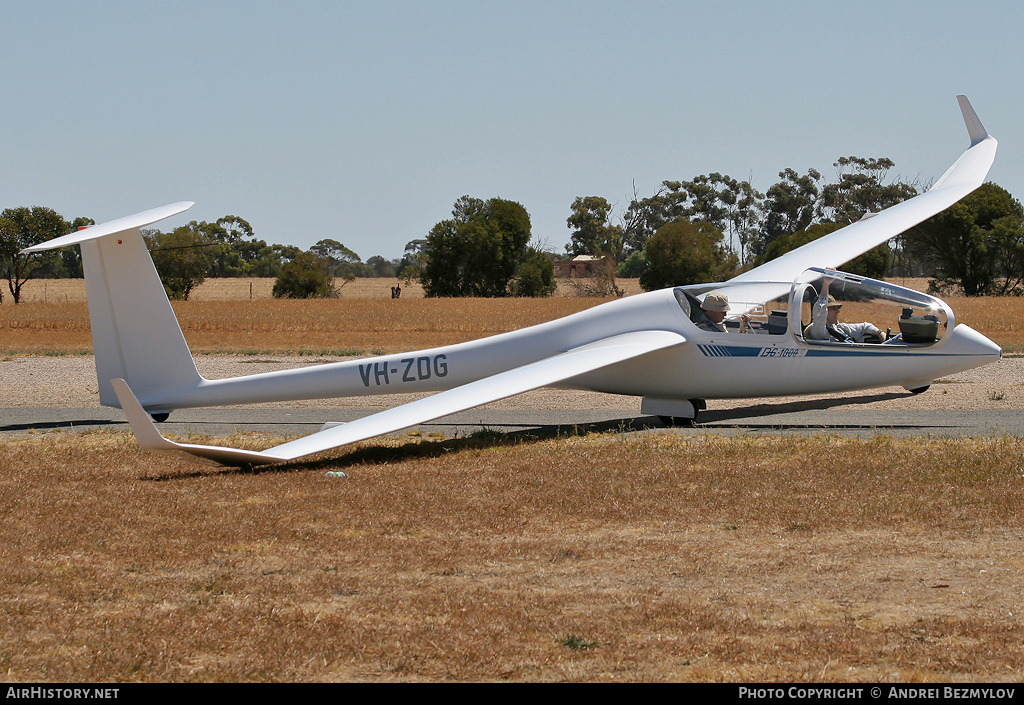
(305, 277)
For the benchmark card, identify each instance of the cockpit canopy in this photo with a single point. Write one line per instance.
(907, 317)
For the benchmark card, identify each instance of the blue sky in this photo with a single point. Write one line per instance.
(365, 121)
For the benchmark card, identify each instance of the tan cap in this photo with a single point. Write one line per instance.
(715, 301)
(832, 303)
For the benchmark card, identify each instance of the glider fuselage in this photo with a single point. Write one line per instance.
(711, 365)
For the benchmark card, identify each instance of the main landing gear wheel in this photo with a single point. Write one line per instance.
(160, 416)
(673, 412)
(685, 421)
(677, 421)
(918, 390)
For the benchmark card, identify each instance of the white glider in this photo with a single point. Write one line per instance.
(655, 345)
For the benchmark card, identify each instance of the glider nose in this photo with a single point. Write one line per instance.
(972, 343)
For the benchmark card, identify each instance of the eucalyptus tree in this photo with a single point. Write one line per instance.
(23, 227)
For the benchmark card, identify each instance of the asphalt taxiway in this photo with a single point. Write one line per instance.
(841, 416)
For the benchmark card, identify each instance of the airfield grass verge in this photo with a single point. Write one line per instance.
(295, 327)
(221, 319)
(586, 557)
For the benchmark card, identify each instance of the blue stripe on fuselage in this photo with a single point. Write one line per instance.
(709, 350)
(729, 351)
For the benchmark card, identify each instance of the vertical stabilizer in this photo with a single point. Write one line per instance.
(135, 334)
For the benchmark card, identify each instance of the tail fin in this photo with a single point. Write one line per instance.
(135, 334)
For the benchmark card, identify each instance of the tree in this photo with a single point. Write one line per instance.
(478, 251)
(743, 206)
(977, 244)
(258, 259)
(633, 266)
(230, 238)
(21, 228)
(70, 265)
(380, 267)
(750, 220)
(536, 276)
(732, 206)
(592, 233)
(341, 260)
(790, 206)
(861, 189)
(233, 229)
(645, 215)
(182, 258)
(308, 276)
(701, 198)
(686, 253)
(413, 261)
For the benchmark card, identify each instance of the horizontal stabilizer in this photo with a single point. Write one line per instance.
(538, 374)
(112, 227)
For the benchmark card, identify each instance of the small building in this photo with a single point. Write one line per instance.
(585, 267)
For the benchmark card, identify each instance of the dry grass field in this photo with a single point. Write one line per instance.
(222, 318)
(61, 291)
(583, 557)
(607, 557)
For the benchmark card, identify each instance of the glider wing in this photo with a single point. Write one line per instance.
(538, 374)
(841, 246)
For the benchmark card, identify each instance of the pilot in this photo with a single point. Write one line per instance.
(825, 323)
(715, 306)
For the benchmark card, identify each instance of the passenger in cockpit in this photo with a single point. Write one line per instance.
(825, 323)
(715, 306)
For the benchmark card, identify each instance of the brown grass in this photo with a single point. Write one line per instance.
(221, 318)
(61, 291)
(605, 557)
(341, 326)
(639, 557)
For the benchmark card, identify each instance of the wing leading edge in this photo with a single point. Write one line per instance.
(538, 374)
(835, 249)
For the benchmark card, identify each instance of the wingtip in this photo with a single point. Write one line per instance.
(142, 425)
(975, 129)
(150, 438)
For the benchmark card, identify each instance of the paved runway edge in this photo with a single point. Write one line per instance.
(783, 418)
